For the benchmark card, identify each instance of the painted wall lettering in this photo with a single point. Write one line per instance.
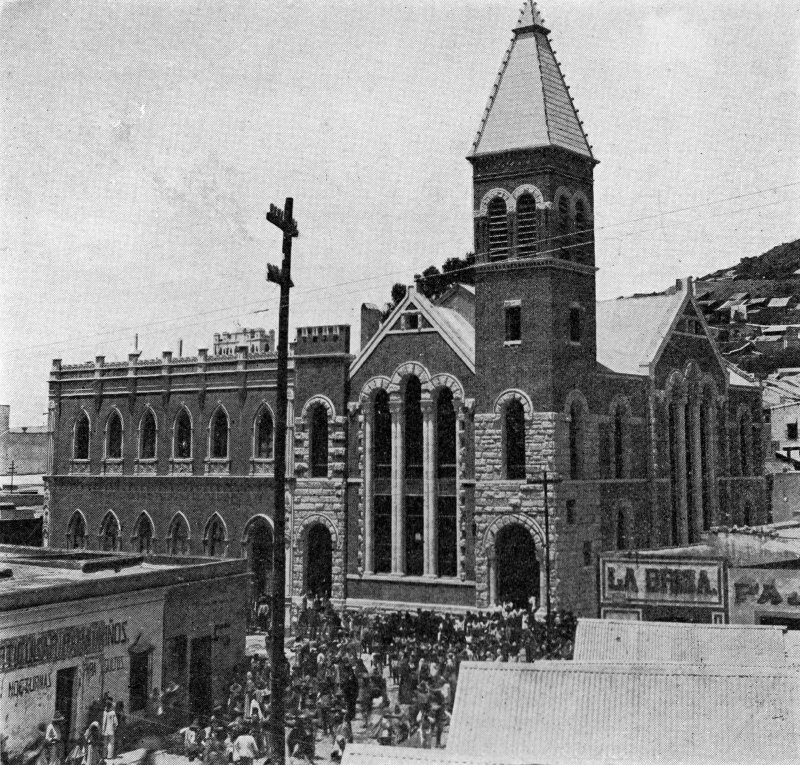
(26, 685)
(674, 582)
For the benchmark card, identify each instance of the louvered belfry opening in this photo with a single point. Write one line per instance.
(498, 228)
(526, 226)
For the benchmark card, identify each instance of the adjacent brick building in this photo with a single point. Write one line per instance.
(417, 468)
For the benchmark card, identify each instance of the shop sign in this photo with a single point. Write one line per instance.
(764, 593)
(61, 644)
(662, 582)
(25, 685)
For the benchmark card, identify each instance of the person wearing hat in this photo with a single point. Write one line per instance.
(91, 738)
(191, 740)
(54, 740)
(109, 728)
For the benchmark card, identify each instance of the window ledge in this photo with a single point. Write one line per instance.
(217, 466)
(408, 579)
(112, 466)
(80, 467)
(181, 465)
(262, 466)
(511, 343)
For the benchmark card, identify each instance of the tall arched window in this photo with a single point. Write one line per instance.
(498, 228)
(80, 438)
(182, 438)
(445, 435)
(318, 435)
(575, 437)
(264, 435)
(526, 225)
(178, 536)
(114, 436)
(622, 538)
(219, 435)
(215, 538)
(706, 462)
(109, 533)
(673, 446)
(147, 436)
(413, 428)
(143, 533)
(76, 532)
(382, 436)
(515, 440)
(382, 470)
(745, 433)
(581, 234)
(562, 227)
(619, 445)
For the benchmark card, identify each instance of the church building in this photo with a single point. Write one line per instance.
(479, 445)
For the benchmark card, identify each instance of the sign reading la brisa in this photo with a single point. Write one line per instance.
(662, 582)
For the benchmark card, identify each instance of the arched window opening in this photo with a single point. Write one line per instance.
(562, 227)
(413, 428)
(691, 456)
(215, 538)
(673, 473)
(182, 445)
(515, 440)
(581, 233)
(619, 450)
(114, 436)
(219, 435)
(143, 534)
(319, 441)
(80, 442)
(575, 324)
(179, 536)
(76, 532)
(517, 567)
(445, 435)
(260, 555)
(706, 463)
(498, 228)
(147, 437)
(622, 541)
(264, 435)
(575, 436)
(319, 561)
(382, 436)
(526, 225)
(109, 533)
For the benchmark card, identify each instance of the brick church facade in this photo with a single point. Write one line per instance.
(416, 466)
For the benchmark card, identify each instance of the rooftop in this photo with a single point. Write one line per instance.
(374, 754)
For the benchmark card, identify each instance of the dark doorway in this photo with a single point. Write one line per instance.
(517, 566)
(200, 698)
(319, 562)
(138, 682)
(415, 536)
(260, 555)
(65, 694)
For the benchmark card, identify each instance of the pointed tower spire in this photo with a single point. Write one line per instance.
(530, 105)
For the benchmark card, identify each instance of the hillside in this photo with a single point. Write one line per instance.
(781, 262)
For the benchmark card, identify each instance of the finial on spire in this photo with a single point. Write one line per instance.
(529, 16)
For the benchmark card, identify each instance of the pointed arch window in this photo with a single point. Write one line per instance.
(109, 533)
(80, 438)
(515, 440)
(219, 434)
(526, 225)
(562, 227)
(498, 228)
(114, 436)
(319, 441)
(76, 532)
(143, 533)
(147, 436)
(182, 439)
(581, 234)
(264, 435)
(178, 536)
(575, 438)
(215, 539)
(619, 445)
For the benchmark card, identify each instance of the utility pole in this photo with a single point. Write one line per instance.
(545, 482)
(283, 277)
(11, 490)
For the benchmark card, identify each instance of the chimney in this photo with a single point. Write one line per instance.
(370, 321)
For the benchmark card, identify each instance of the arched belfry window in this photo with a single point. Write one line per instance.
(80, 442)
(498, 227)
(182, 439)
(147, 436)
(318, 434)
(264, 446)
(143, 533)
(114, 436)
(581, 233)
(526, 225)
(575, 438)
(219, 435)
(562, 227)
(515, 440)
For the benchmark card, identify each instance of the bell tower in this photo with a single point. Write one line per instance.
(534, 236)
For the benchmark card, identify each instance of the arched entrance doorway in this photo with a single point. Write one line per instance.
(516, 565)
(259, 555)
(319, 561)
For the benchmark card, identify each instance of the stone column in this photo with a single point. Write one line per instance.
(398, 479)
(429, 540)
(680, 432)
(367, 411)
(697, 474)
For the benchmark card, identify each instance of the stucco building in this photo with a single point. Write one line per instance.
(416, 466)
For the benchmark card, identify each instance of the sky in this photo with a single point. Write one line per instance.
(144, 140)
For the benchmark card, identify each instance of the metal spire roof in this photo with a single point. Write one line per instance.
(530, 105)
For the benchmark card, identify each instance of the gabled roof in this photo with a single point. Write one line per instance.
(739, 645)
(567, 712)
(454, 329)
(530, 105)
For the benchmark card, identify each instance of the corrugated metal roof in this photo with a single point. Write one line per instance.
(374, 754)
(779, 302)
(530, 104)
(566, 712)
(734, 645)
